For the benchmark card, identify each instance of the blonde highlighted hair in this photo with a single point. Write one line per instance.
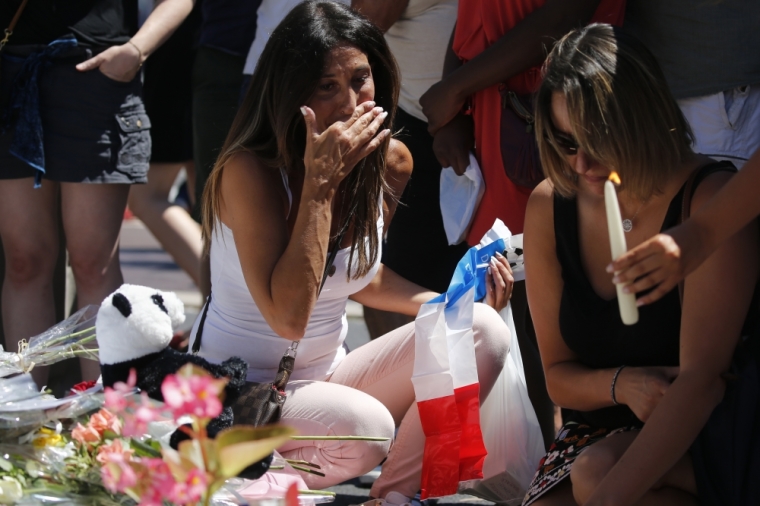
(621, 110)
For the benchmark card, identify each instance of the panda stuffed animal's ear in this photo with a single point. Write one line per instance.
(173, 307)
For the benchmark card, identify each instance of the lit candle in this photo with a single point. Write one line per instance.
(629, 313)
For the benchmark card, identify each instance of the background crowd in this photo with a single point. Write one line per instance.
(105, 102)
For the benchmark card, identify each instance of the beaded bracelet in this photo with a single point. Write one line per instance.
(612, 386)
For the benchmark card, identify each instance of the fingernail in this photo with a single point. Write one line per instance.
(626, 289)
(610, 269)
(616, 279)
(370, 104)
(387, 131)
(384, 115)
(303, 110)
(493, 262)
(639, 303)
(499, 255)
(377, 110)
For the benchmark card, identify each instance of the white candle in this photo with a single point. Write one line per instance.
(629, 313)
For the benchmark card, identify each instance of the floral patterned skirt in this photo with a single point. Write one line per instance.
(571, 440)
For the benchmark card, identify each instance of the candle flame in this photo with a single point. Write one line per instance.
(614, 178)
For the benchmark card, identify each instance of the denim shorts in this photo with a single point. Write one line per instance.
(95, 129)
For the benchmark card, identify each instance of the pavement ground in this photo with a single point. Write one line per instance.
(144, 262)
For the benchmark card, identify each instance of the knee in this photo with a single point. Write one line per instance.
(369, 418)
(492, 340)
(26, 265)
(589, 469)
(90, 269)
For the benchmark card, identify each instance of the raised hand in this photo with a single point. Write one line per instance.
(642, 388)
(331, 154)
(120, 63)
(499, 282)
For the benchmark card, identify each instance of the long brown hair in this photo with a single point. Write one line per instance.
(269, 123)
(620, 107)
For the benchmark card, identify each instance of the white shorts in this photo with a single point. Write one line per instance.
(726, 125)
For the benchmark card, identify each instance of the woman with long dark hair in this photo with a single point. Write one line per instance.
(635, 398)
(309, 157)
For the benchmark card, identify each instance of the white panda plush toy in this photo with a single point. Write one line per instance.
(134, 327)
(135, 322)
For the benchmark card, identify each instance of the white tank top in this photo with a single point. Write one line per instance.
(235, 327)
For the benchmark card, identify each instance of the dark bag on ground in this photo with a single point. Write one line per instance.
(519, 149)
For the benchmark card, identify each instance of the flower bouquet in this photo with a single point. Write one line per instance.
(70, 338)
(111, 458)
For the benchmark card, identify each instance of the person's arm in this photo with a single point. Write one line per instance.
(665, 259)
(121, 63)
(522, 47)
(383, 13)
(283, 270)
(570, 383)
(389, 291)
(716, 300)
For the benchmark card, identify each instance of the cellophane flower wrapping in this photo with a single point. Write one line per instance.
(73, 337)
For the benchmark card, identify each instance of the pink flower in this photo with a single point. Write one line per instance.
(117, 474)
(192, 490)
(115, 451)
(116, 397)
(160, 485)
(193, 395)
(85, 435)
(104, 420)
(136, 423)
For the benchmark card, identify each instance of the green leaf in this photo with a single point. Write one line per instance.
(5, 465)
(240, 446)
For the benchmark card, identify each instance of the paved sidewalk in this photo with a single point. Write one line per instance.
(144, 262)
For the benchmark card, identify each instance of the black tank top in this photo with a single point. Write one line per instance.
(591, 326)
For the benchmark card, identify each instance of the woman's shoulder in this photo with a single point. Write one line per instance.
(398, 167)
(399, 160)
(246, 182)
(712, 176)
(541, 200)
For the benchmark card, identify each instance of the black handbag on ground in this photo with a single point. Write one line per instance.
(261, 403)
(519, 149)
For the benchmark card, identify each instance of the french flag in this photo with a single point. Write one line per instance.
(445, 378)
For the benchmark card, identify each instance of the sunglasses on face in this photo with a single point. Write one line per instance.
(564, 143)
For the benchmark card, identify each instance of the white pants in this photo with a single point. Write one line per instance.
(369, 394)
(726, 125)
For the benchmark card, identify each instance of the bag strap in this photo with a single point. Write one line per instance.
(12, 25)
(688, 192)
(292, 349)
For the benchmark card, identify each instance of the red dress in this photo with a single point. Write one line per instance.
(480, 23)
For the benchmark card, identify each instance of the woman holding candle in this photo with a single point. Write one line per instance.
(604, 106)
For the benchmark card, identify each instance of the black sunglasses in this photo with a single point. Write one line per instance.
(564, 143)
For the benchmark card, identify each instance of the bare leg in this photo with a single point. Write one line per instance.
(560, 495)
(29, 231)
(677, 487)
(177, 232)
(92, 215)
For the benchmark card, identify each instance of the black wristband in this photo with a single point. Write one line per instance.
(612, 385)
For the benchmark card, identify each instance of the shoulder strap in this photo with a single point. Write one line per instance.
(12, 25)
(690, 187)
